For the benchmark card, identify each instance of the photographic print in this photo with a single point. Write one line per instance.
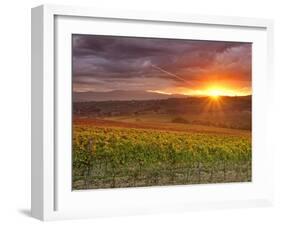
(158, 111)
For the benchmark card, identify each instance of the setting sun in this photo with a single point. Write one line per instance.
(214, 93)
(215, 97)
(217, 91)
(210, 89)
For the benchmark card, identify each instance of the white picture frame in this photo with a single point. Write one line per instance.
(52, 198)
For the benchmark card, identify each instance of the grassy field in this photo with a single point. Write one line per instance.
(231, 120)
(128, 152)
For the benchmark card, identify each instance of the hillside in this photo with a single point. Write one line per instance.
(228, 112)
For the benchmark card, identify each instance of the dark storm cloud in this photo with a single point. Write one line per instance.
(104, 60)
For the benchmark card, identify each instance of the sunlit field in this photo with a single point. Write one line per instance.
(153, 150)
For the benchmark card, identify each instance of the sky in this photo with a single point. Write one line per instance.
(168, 66)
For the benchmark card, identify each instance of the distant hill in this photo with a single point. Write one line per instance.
(173, 106)
(229, 112)
(120, 95)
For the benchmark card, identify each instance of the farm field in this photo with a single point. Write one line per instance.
(113, 153)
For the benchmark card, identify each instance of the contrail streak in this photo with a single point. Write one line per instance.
(169, 73)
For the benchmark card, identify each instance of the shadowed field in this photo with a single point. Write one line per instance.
(132, 123)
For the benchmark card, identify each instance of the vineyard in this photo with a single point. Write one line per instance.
(110, 157)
